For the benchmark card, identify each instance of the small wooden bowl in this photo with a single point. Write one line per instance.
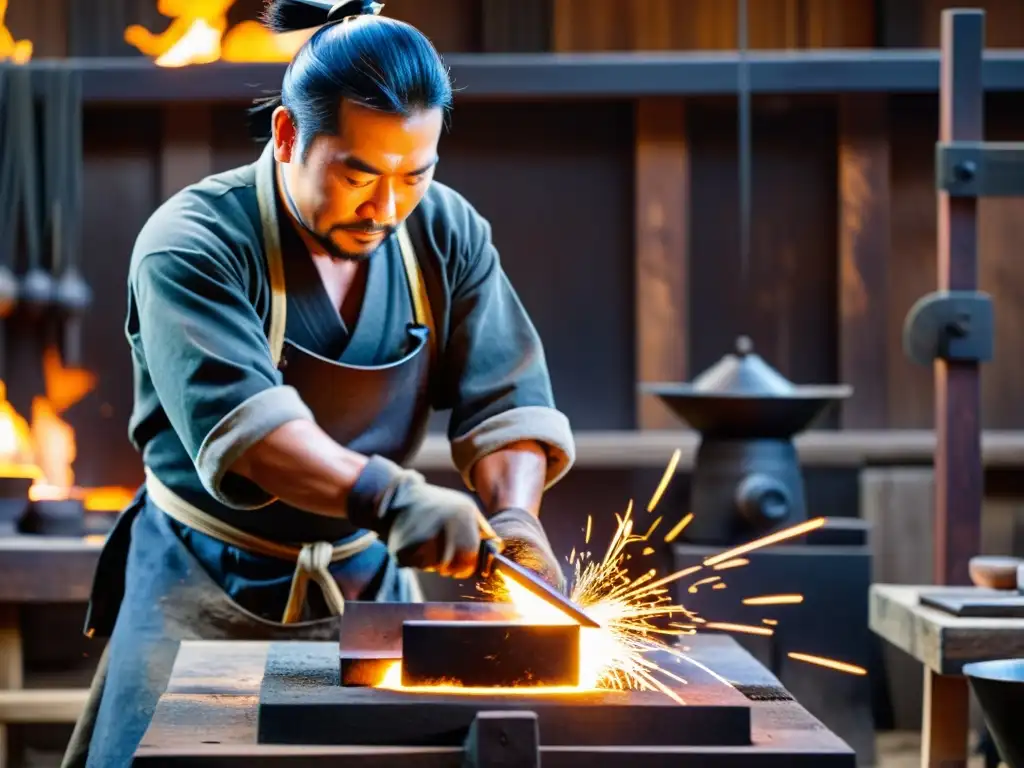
(994, 572)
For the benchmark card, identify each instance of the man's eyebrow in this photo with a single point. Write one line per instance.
(358, 165)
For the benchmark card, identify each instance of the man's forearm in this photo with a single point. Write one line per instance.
(303, 467)
(512, 477)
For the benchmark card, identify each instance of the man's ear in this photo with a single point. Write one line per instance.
(285, 135)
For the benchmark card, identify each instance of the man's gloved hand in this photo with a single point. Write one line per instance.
(527, 544)
(425, 526)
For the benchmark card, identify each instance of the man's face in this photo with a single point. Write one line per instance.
(354, 188)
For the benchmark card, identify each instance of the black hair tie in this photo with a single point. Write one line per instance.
(350, 9)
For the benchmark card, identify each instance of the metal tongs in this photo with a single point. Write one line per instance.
(492, 560)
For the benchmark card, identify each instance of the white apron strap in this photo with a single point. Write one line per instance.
(265, 196)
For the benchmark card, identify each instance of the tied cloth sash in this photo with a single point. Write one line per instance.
(312, 560)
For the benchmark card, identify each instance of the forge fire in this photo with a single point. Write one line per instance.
(44, 449)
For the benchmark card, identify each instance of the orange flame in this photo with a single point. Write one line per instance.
(18, 51)
(199, 34)
(46, 450)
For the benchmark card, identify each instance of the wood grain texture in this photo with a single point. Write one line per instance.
(913, 273)
(1004, 21)
(864, 256)
(945, 721)
(213, 694)
(662, 253)
(653, 25)
(899, 504)
(940, 641)
(777, 298)
(959, 482)
(44, 22)
(515, 26)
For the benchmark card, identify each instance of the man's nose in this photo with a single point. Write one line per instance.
(384, 203)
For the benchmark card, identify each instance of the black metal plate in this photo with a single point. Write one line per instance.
(994, 607)
(301, 702)
(489, 653)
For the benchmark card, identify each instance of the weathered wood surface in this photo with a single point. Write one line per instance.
(940, 641)
(209, 713)
(864, 254)
(45, 569)
(662, 252)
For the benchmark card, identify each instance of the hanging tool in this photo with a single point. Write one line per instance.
(72, 294)
(8, 206)
(492, 560)
(36, 288)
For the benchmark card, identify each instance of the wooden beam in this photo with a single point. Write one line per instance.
(864, 202)
(959, 475)
(41, 706)
(187, 152)
(662, 235)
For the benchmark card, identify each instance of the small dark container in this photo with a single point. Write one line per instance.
(64, 517)
(13, 503)
(999, 686)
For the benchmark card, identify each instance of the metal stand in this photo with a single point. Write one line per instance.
(952, 328)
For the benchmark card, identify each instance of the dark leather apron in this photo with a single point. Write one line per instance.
(149, 592)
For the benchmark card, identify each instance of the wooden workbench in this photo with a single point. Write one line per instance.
(37, 570)
(208, 716)
(943, 644)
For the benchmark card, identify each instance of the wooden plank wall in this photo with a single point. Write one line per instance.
(843, 202)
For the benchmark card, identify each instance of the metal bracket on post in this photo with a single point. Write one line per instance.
(503, 739)
(956, 326)
(980, 168)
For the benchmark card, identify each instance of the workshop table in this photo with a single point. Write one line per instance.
(943, 643)
(208, 716)
(38, 570)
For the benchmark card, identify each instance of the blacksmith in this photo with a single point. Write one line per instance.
(292, 324)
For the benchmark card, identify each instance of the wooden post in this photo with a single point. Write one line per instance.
(959, 478)
(11, 667)
(662, 237)
(864, 258)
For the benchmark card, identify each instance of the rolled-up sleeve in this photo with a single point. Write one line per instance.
(206, 351)
(495, 375)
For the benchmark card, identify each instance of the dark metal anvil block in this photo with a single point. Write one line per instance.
(486, 654)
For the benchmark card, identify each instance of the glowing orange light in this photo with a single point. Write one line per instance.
(774, 600)
(670, 470)
(199, 34)
(18, 51)
(821, 661)
(678, 528)
(726, 626)
(773, 538)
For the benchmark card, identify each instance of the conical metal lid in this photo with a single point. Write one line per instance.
(743, 373)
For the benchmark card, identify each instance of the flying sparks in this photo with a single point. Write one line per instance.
(821, 661)
(639, 621)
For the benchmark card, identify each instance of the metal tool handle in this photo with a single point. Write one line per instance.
(490, 545)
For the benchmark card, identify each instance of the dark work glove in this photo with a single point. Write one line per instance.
(425, 526)
(528, 545)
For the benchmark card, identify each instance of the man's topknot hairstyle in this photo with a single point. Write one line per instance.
(356, 55)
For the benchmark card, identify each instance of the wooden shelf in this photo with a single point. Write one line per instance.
(846, 448)
(135, 80)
